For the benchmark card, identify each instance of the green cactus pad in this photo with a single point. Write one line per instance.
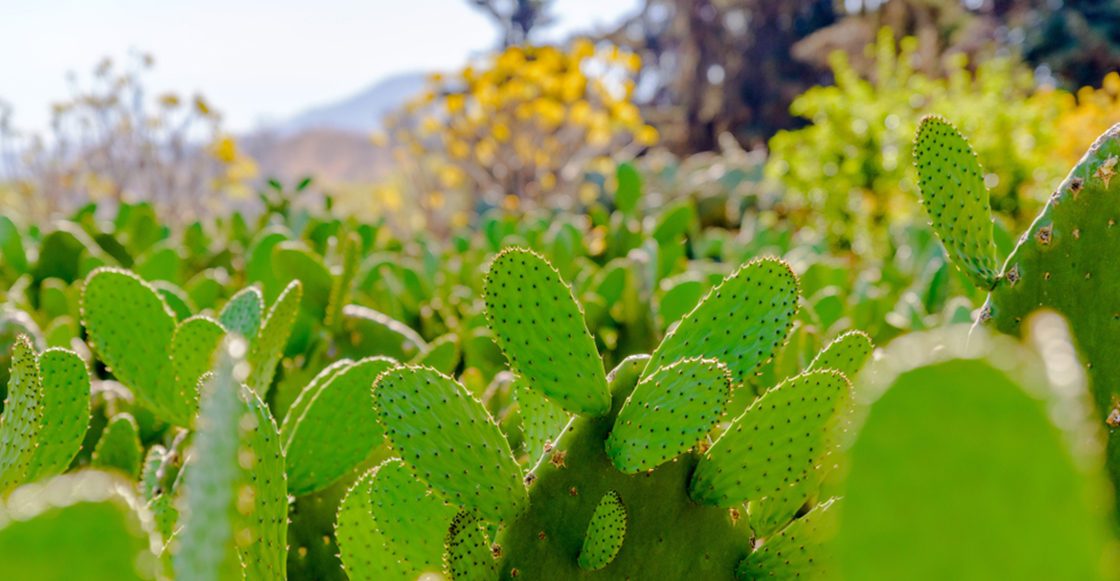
(156, 490)
(242, 313)
(954, 195)
(268, 347)
(679, 300)
(412, 519)
(192, 346)
(11, 247)
(739, 323)
(668, 413)
(443, 355)
(768, 515)
(266, 522)
(206, 544)
(846, 354)
(86, 526)
(778, 441)
(799, 551)
(605, 533)
(340, 289)
(361, 545)
(963, 456)
(19, 426)
(306, 396)
(65, 417)
(149, 485)
(542, 419)
(119, 446)
(367, 333)
(130, 328)
(450, 441)
(540, 328)
(468, 550)
(292, 261)
(336, 429)
(176, 298)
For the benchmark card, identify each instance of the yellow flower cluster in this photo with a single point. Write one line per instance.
(238, 168)
(1093, 112)
(513, 125)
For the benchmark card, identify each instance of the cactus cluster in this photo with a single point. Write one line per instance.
(645, 476)
(622, 397)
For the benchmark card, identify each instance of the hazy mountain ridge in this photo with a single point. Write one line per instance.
(332, 142)
(360, 113)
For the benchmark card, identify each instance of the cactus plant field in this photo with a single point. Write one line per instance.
(677, 378)
(565, 397)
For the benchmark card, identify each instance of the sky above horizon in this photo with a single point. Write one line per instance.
(255, 61)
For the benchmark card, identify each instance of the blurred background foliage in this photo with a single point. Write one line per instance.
(797, 115)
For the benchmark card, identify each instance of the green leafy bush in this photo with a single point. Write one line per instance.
(848, 174)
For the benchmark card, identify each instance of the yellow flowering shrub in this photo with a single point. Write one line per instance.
(1095, 111)
(237, 169)
(519, 128)
(849, 172)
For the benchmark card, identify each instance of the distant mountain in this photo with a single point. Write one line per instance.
(360, 113)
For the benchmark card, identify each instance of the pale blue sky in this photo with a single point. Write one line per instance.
(253, 59)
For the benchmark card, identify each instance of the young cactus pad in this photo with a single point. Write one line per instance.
(605, 533)
(754, 459)
(45, 416)
(414, 520)
(540, 327)
(447, 437)
(956, 199)
(739, 323)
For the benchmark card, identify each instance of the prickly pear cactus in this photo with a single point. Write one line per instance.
(119, 447)
(632, 489)
(45, 416)
(137, 335)
(1065, 261)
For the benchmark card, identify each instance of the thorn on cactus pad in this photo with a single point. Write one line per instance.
(605, 533)
(1013, 275)
(1113, 420)
(1043, 235)
(1107, 170)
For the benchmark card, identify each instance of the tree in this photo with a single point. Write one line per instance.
(516, 18)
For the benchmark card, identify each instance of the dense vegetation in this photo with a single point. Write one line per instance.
(723, 366)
